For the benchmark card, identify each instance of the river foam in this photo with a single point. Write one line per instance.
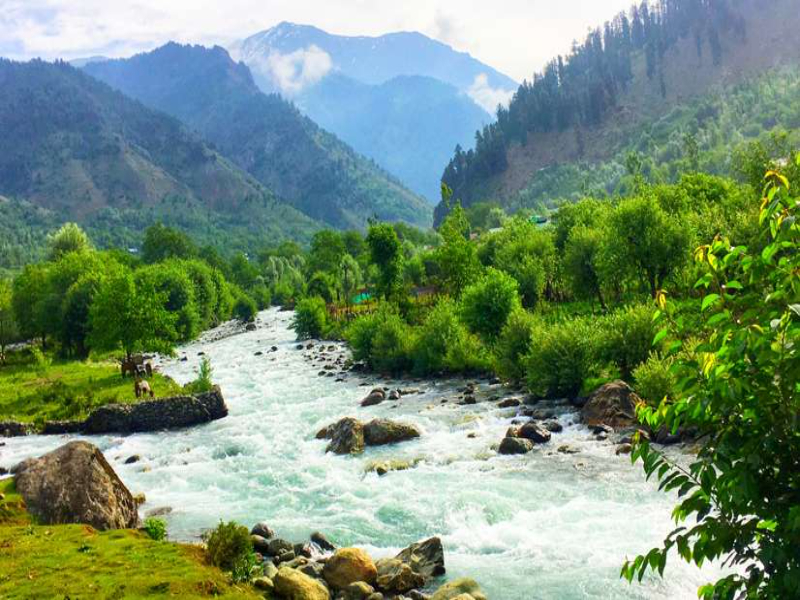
(540, 526)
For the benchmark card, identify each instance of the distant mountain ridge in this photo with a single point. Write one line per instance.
(263, 134)
(403, 99)
(372, 60)
(72, 145)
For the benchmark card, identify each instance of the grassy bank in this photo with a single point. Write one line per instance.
(75, 561)
(34, 390)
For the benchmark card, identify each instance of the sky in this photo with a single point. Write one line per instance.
(516, 37)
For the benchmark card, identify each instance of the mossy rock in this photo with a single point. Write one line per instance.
(454, 590)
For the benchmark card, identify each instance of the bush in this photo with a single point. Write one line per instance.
(310, 318)
(156, 529)
(561, 359)
(467, 355)
(627, 338)
(382, 340)
(486, 304)
(228, 545)
(654, 379)
(440, 331)
(514, 344)
(204, 382)
(245, 309)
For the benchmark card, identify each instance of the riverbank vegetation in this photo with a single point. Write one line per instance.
(103, 564)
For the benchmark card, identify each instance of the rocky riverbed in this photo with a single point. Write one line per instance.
(553, 522)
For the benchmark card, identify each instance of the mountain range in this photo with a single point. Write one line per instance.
(403, 99)
(77, 150)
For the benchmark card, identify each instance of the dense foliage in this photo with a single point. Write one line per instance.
(580, 89)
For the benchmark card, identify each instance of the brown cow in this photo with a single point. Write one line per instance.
(142, 388)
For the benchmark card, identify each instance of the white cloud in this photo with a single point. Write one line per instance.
(487, 97)
(514, 36)
(292, 73)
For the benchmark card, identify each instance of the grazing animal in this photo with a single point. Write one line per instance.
(142, 388)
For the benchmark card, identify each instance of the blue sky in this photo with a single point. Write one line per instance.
(514, 36)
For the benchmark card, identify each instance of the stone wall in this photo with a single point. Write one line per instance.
(155, 415)
(151, 415)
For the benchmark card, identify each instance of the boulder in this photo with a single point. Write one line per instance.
(624, 449)
(260, 544)
(509, 403)
(347, 437)
(379, 432)
(357, 591)
(323, 542)
(425, 558)
(512, 445)
(278, 546)
(294, 585)
(458, 589)
(75, 484)
(397, 577)
(376, 396)
(264, 530)
(554, 427)
(535, 433)
(613, 404)
(348, 565)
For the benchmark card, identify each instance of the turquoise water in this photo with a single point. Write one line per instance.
(542, 526)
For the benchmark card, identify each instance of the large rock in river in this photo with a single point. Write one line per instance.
(515, 445)
(348, 565)
(425, 558)
(613, 404)
(534, 432)
(379, 432)
(75, 484)
(294, 585)
(397, 577)
(457, 589)
(376, 396)
(347, 437)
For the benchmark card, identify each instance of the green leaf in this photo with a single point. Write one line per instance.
(708, 301)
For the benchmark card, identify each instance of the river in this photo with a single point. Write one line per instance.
(541, 526)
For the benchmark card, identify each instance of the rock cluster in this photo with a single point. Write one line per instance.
(521, 440)
(351, 436)
(75, 484)
(317, 570)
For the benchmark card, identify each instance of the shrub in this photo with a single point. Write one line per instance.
(156, 529)
(245, 309)
(627, 338)
(467, 355)
(514, 344)
(654, 379)
(310, 318)
(228, 545)
(383, 340)
(486, 304)
(561, 359)
(439, 332)
(203, 383)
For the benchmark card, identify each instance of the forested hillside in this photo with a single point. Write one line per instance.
(265, 135)
(74, 149)
(648, 84)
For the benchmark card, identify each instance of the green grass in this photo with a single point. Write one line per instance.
(78, 562)
(66, 389)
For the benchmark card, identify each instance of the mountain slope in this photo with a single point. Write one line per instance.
(402, 99)
(624, 91)
(74, 146)
(370, 60)
(265, 135)
(408, 125)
